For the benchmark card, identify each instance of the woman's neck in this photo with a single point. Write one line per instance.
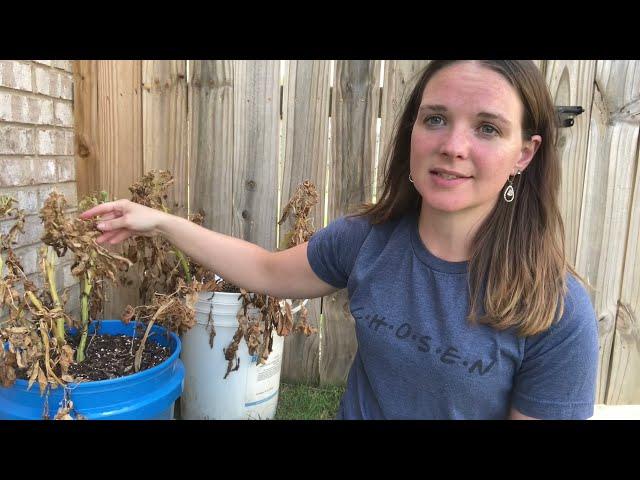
(448, 235)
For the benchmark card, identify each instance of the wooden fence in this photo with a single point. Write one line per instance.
(240, 135)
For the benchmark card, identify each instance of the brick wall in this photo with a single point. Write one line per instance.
(36, 151)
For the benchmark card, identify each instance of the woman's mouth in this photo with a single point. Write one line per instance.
(448, 179)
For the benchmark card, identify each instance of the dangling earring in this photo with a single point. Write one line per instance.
(509, 194)
(410, 177)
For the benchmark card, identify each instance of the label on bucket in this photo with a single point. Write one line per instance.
(263, 380)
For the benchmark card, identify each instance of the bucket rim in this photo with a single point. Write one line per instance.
(211, 295)
(238, 300)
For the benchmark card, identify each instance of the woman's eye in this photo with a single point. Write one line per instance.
(434, 120)
(489, 130)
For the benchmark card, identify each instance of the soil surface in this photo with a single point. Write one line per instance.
(112, 356)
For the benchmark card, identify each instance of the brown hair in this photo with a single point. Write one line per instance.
(517, 255)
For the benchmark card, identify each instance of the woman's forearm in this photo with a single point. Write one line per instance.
(237, 261)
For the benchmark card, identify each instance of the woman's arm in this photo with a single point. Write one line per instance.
(285, 274)
(516, 415)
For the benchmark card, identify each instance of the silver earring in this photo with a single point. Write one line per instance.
(509, 194)
(410, 177)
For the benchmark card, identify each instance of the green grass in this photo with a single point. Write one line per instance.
(306, 402)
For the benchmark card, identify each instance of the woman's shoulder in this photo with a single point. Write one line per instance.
(356, 224)
(577, 300)
(577, 326)
(364, 224)
(578, 314)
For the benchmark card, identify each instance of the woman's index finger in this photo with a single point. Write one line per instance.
(101, 209)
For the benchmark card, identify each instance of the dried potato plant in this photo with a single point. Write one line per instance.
(16, 327)
(159, 263)
(175, 312)
(299, 206)
(29, 332)
(33, 334)
(9, 296)
(165, 269)
(261, 314)
(93, 263)
(167, 289)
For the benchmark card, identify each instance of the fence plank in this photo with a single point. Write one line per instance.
(85, 114)
(255, 151)
(211, 170)
(119, 125)
(119, 152)
(306, 123)
(606, 204)
(354, 105)
(164, 125)
(571, 83)
(624, 380)
(541, 64)
(620, 85)
(400, 77)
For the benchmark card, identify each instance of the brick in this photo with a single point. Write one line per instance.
(59, 277)
(44, 170)
(33, 230)
(49, 141)
(54, 83)
(43, 194)
(73, 311)
(5, 106)
(19, 287)
(67, 259)
(16, 140)
(73, 303)
(63, 65)
(46, 82)
(20, 108)
(69, 142)
(55, 142)
(68, 278)
(15, 75)
(37, 280)
(28, 258)
(69, 190)
(64, 114)
(15, 171)
(27, 197)
(67, 86)
(66, 169)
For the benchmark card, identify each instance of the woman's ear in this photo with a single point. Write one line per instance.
(529, 149)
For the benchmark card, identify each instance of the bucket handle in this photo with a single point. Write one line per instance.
(295, 309)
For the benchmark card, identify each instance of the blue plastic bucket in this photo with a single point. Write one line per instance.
(146, 395)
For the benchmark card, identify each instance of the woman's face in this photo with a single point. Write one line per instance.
(467, 139)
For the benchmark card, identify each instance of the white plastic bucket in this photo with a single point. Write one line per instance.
(251, 392)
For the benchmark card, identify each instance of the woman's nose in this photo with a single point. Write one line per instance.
(455, 143)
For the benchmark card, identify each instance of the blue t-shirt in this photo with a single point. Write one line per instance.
(419, 357)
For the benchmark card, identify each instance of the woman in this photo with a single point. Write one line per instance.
(464, 303)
